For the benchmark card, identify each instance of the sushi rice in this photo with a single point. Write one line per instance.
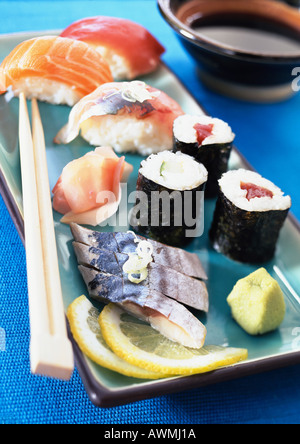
(146, 139)
(46, 91)
(53, 69)
(174, 171)
(129, 116)
(118, 65)
(230, 185)
(179, 181)
(185, 132)
(249, 215)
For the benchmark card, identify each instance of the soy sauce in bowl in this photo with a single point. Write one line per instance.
(250, 40)
(244, 26)
(247, 48)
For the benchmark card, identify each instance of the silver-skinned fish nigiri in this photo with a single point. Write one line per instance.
(160, 278)
(175, 258)
(164, 314)
(157, 298)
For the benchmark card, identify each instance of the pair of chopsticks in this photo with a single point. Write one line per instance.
(51, 351)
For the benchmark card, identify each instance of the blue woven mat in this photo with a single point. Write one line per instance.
(267, 135)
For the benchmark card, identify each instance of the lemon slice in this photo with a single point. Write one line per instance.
(83, 319)
(139, 344)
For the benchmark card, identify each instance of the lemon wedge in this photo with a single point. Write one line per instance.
(83, 319)
(139, 344)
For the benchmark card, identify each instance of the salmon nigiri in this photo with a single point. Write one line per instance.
(128, 47)
(88, 190)
(129, 116)
(54, 69)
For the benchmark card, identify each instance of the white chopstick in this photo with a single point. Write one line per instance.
(51, 351)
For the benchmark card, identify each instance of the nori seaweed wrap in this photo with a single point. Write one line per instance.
(249, 215)
(170, 196)
(209, 141)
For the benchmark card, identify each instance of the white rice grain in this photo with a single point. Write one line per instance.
(230, 184)
(185, 132)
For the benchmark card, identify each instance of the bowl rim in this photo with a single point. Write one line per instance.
(205, 42)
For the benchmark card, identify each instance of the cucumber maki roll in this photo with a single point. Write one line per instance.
(249, 215)
(209, 141)
(170, 197)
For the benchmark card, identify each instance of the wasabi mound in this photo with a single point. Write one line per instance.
(257, 303)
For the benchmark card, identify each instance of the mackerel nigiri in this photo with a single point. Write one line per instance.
(129, 116)
(160, 278)
(54, 69)
(128, 47)
(166, 315)
(157, 296)
(164, 255)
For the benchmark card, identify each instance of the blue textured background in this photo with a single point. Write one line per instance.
(268, 135)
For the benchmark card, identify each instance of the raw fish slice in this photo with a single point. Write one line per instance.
(163, 279)
(180, 260)
(127, 242)
(129, 116)
(164, 314)
(102, 287)
(129, 48)
(54, 69)
(89, 187)
(103, 241)
(175, 258)
(101, 260)
(178, 286)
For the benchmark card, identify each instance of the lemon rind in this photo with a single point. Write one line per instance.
(103, 357)
(109, 320)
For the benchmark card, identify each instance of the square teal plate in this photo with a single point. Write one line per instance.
(107, 388)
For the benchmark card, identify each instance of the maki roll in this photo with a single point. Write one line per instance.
(249, 215)
(170, 197)
(207, 140)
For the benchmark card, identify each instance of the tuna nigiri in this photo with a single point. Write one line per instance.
(54, 69)
(129, 116)
(129, 48)
(88, 190)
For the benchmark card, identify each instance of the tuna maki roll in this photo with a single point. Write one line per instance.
(170, 197)
(209, 141)
(249, 215)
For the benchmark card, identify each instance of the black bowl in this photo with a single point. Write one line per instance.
(295, 3)
(249, 74)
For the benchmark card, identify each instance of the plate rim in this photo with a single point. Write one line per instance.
(104, 397)
(101, 396)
